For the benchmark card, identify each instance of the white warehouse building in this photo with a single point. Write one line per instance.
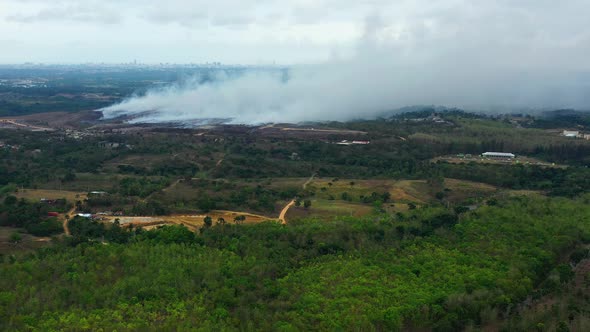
(498, 155)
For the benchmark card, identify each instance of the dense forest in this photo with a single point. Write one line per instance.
(429, 268)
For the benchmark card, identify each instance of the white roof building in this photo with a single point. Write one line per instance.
(498, 155)
(571, 133)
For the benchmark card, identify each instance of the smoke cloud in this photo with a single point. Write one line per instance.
(389, 69)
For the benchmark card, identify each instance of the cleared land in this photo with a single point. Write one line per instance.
(26, 243)
(38, 194)
(326, 208)
(193, 222)
(520, 160)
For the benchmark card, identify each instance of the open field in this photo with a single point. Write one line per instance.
(327, 208)
(13, 123)
(461, 190)
(520, 160)
(307, 132)
(38, 194)
(27, 243)
(193, 222)
(404, 191)
(53, 120)
(327, 194)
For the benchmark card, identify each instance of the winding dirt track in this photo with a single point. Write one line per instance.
(292, 202)
(66, 220)
(70, 215)
(285, 210)
(308, 181)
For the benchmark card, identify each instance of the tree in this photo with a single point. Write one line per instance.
(69, 176)
(378, 206)
(351, 184)
(221, 221)
(15, 237)
(208, 221)
(492, 202)
(239, 219)
(10, 200)
(307, 204)
(345, 196)
(206, 204)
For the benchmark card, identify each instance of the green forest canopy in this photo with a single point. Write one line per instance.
(426, 268)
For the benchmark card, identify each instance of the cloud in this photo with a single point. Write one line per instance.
(486, 58)
(87, 13)
(476, 54)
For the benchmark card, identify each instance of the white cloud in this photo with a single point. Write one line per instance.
(469, 53)
(546, 26)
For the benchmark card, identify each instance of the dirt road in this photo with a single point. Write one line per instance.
(308, 181)
(292, 202)
(285, 210)
(18, 124)
(70, 214)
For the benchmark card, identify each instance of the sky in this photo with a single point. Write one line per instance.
(347, 58)
(542, 32)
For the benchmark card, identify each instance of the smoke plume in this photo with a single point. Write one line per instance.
(478, 72)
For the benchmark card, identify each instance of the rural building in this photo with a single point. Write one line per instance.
(571, 133)
(498, 155)
(97, 193)
(346, 142)
(112, 145)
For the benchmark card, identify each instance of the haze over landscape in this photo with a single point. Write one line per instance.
(355, 60)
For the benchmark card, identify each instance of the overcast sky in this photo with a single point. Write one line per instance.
(545, 32)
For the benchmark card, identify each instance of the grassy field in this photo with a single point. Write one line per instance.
(327, 208)
(406, 191)
(520, 160)
(38, 194)
(326, 194)
(461, 190)
(403, 191)
(26, 244)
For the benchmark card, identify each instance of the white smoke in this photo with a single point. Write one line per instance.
(385, 73)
